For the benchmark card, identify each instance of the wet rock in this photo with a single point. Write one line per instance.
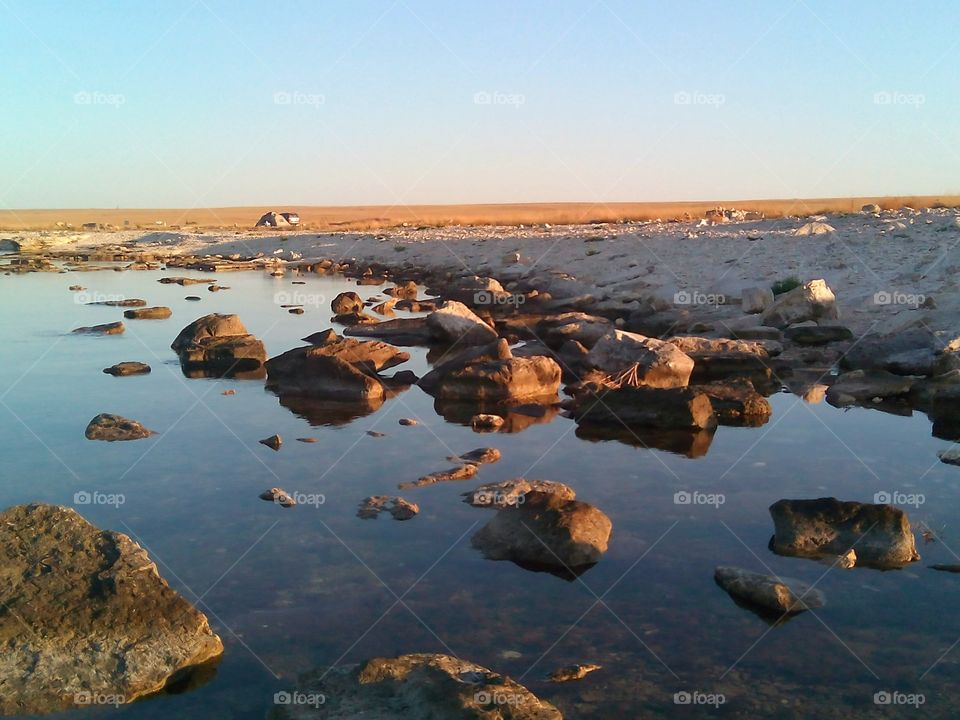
(908, 352)
(323, 337)
(880, 534)
(296, 311)
(817, 334)
(571, 673)
(454, 322)
(114, 328)
(399, 508)
(485, 422)
(401, 331)
(480, 456)
(416, 305)
(354, 319)
(945, 568)
(126, 302)
(864, 386)
(220, 344)
(86, 612)
(461, 472)
(151, 313)
(767, 592)
(514, 492)
(756, 299)
(346, 303)
(951, 456)
(385, 308)
(405, 291)
(279, 497)
(273, 442)
(127, 368)
(408, 422)
(193, 298)
(555, 330)
(112, 428)
(402, 378)
(649, 362)
(184, 281)
(308, 440)
(737, 403)
(415, 687)
(813, 300)
(546, 532)
(376, 434)
(660, 408)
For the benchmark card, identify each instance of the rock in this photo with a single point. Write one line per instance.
(946, 568)
(555, 330)
(183, 281)
(385, 308)
(737, 403)
(346, 303)
(296, 311)
(755, 332)
(811, 301)
(86, 612)
(756, 299)
(649, 362)
(950, 456)
(871, 208)
(308, 440)
(814, 228)
(721, 358)
(416, 305)
(454, 322)
(279, 497)
(404, 291)
(220, 343)
(193, 298)
(408, 422)
(376, 434)
(112, 428)
(114, 328)
(414, 687)
(151, 313)
(767, 592)
(908, 352)
(480, 456)
(514, 492)
(484, 422)
(402, 331)
(273, 442)
(664, 409)
(126, 302)
(323, 337)
(571, 673)
(399, 508)
(127, 368)
(861, 386)
(817, 334)
(546, 532)
(461, 472)
(880, 534)
(354, 319)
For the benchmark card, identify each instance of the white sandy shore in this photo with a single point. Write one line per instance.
(881, 267)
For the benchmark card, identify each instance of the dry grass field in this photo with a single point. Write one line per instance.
(370, 217)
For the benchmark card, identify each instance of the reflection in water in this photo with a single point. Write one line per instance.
(517, 418)
(680, 442)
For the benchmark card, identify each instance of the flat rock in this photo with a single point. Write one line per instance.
(86, 612)
(127, 368)
(114, 328)
(817, 334)
(571, 673)
(661, 408)
(112, 428)
(555, 330)
(880, 534)
(415, 687)
(454, 322)
(514, 492)
(151, 313)
(400, 509)
(278, 496)
(909, 352)
(767, 592)
(401, 331)
(862, 386)
(461, 472)
(480, 456)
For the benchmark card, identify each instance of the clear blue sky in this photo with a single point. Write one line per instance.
(180, 103)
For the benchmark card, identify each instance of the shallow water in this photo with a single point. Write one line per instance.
(290, 590)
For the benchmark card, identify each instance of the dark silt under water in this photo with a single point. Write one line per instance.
(292, 590)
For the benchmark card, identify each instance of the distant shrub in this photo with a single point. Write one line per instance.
(786, 285)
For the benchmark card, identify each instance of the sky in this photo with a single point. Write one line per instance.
(210, 103)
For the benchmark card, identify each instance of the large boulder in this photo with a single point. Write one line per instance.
(813, 300)
(87, 614)
(767, 592)
(219, 344)
(737, 403)
(880, 534)
(546, 532)
(454, 322)
(410, 687)
(651, 362)
(908, 352)
(214, 325)
(755, 300)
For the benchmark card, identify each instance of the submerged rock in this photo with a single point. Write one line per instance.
(114, 328)
(127, 368)
(273, 442)
(570, 673)
(514, 492)
(461, 472)
(768, 592)
(880, 534)
(115, 427)
(86, 613)
(415, 687)
(399, 508)
(547, 532)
